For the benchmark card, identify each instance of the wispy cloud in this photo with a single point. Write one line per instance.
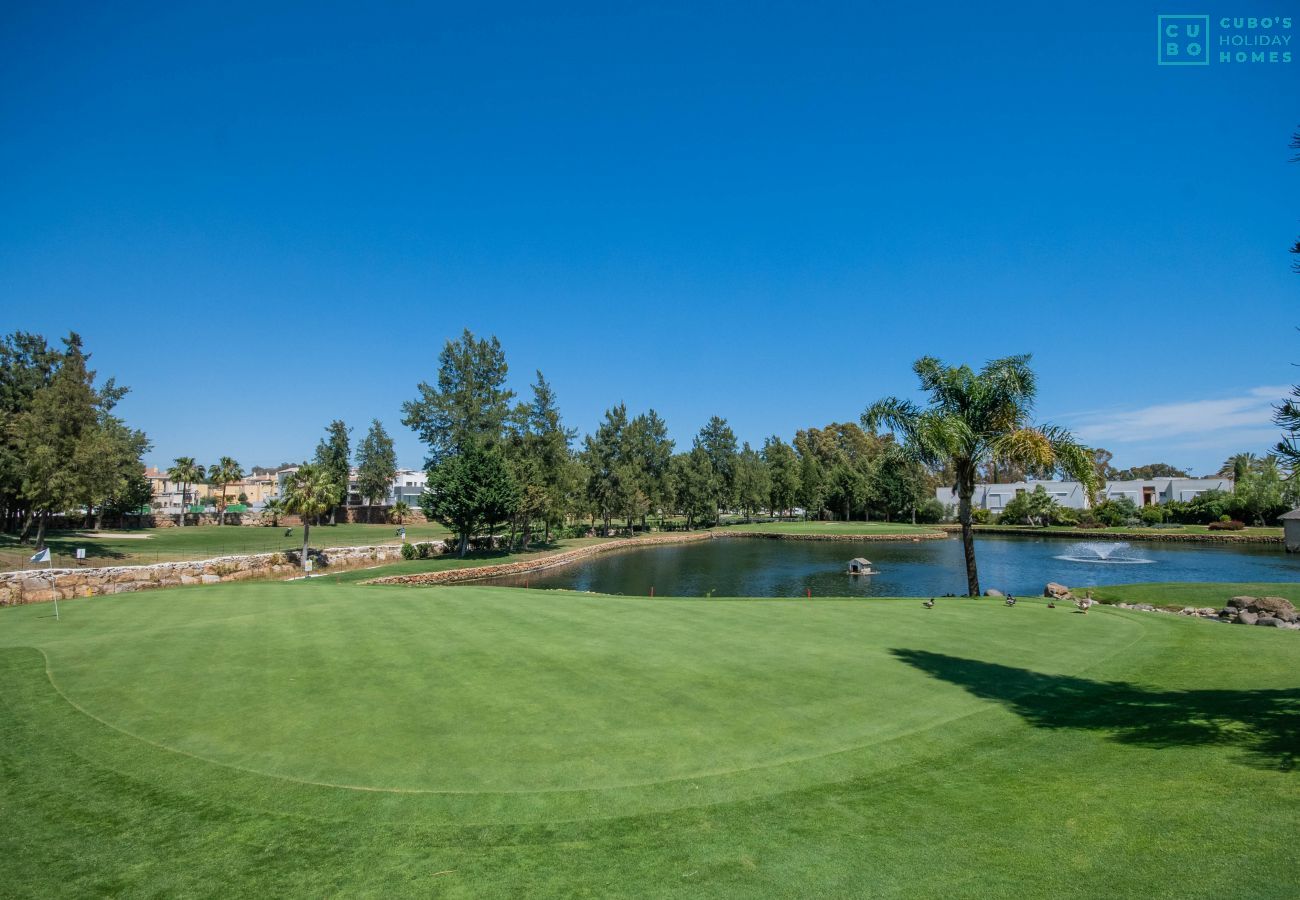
(1245, 417)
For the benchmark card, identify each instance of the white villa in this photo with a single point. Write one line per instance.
(406, 487)
(1147, 492)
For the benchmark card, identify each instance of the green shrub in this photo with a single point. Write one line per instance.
(980, 516)
(930, 512)
(1152, 515)
(410, 552)
(1065, 515)
(1229, 525)
(425, 549)
(1118, 512)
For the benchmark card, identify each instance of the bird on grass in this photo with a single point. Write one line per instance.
(1011, 601)
(929, 604)
(1051, 605)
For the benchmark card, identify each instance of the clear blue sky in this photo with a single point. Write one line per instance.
(264, 219)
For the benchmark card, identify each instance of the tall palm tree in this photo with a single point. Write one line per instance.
(977, 417)
(1238, 466)
(185, 471)
(224, 473)
(309, 492)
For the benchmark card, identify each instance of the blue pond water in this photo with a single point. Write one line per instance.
(749, 567)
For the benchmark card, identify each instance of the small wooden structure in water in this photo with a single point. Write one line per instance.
(860, 566)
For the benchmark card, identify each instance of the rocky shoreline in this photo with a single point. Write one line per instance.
(855, 538)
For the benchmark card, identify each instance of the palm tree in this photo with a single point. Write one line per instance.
(309, 492)
(225, 472)
(977, 417)
(1238, 466)
(401, 509)
(185, 471)
(273, 508)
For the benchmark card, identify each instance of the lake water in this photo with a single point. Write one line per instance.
(759, 567)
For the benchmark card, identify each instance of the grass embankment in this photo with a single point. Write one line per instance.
(830, 528)
(316, 738)
(471, 559)
(1127, 531)
(151, 545)
(1194, 594)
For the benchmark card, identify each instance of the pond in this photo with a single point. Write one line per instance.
(759, 567)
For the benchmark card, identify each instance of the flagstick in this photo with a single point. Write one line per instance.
(53, 589)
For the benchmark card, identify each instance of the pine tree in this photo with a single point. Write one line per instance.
(333, 457)
(376, 466)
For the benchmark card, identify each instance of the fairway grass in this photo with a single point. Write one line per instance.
(332, 738)
(153, 545)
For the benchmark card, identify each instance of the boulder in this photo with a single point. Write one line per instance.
(1208, 611)
(993, 592)
(1245, 617)
(1270, 621)
(211, 579)
(1277, 607)
(1057, 591)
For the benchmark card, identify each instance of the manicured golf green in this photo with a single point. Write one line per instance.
(326, 738)
(150, 545)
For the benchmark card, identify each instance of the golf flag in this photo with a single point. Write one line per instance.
(43, 556)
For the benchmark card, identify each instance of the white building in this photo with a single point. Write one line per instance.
(407, 487)
(1071, 494)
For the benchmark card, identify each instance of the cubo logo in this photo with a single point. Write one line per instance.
(1183, 40)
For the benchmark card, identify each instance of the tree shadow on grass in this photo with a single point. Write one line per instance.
(1264, 724)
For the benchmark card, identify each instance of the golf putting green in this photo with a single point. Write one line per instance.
(801, 734)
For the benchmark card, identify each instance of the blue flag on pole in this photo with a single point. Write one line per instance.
(43, 556)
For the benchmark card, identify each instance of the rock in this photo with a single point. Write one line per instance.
(1057, 591)
(1208, 611)
(1277, 607)
(211, 579)
(1245, 617)
(1241, 602)
(1270, 621)
(993, 592)
(1290, 626)
(1145, 607)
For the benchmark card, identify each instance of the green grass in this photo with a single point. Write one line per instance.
(1267, 531)
(150, 545)
(320, 738)
(831, 528)
(1194, 594)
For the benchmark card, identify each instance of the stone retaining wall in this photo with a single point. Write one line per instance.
(537, 564)
(40, 585)
(1099, 534)
(855, 538)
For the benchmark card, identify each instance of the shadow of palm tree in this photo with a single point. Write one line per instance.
(1264, 724)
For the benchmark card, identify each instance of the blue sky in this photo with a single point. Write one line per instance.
(263, 220)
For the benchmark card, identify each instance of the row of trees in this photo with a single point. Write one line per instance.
(61, 446)
(495, 463)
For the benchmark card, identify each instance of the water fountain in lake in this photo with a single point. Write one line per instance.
(1114, 552)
